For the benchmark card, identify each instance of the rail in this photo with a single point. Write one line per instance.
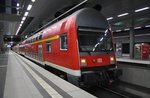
(115, 92)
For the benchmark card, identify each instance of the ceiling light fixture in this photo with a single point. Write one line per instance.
(26, 13)
(137, 27)
(17, 4)
(29, 7)
(142, 9)
(124, 14)
(33, 0)
(26, 36)
(22, 22)
(127, 29)
(17, 31)
(23, 18)
(118, 30)
(20, 25)
(110, 18)
(19, 28)
(147, 26)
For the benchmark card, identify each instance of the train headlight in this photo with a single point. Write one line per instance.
(112, 60)
(83, 62)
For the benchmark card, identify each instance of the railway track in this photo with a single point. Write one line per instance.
(115, 92)
(106, 92)
(110, 92)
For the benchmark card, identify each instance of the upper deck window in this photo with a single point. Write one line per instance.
(48, 46)
(40, 36)
(63, 42)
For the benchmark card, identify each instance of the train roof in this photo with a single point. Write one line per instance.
(88, 17)
(94, 17)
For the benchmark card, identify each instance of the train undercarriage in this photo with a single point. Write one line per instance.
(96, 76)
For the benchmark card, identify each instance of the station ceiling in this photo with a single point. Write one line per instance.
(43, 11)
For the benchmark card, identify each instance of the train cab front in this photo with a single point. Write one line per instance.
(97, 57)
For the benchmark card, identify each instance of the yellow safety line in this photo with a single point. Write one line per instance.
(48, 39)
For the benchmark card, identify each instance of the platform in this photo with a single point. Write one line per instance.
(126, 59)
(24, 79)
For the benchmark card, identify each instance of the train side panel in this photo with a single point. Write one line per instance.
(65, 59)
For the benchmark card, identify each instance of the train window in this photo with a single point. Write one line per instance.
(32, 40)
(36, 39)
(94, 40)
(63, 42)
(40, 36)
(48, 46)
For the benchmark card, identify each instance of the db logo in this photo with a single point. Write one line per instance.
(99, 60)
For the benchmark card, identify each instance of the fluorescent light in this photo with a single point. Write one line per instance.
(23, 18)
(124, 14)
(20, 25)
(26, 13)
(118, 30)
(26, 36)
(147, 26)
(101, 39)
(29, 7)
(109, 18)
(127, 29)
(22, 22)
(142, 9)
(11, 42)
(33, 0)
(18, 30)
(17, 4)
(137, 27)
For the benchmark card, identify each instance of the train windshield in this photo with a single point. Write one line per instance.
(94, 40)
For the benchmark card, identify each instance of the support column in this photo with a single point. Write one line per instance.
(131, 42)
(8, 9)
(1, 42)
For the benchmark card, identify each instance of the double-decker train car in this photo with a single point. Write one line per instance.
(80, 47)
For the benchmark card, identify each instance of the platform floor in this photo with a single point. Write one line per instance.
(126, 58)
(24, 79)
(3, 69)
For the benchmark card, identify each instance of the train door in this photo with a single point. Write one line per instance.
(40, 53)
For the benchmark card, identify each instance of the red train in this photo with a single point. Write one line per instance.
(80, 47)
